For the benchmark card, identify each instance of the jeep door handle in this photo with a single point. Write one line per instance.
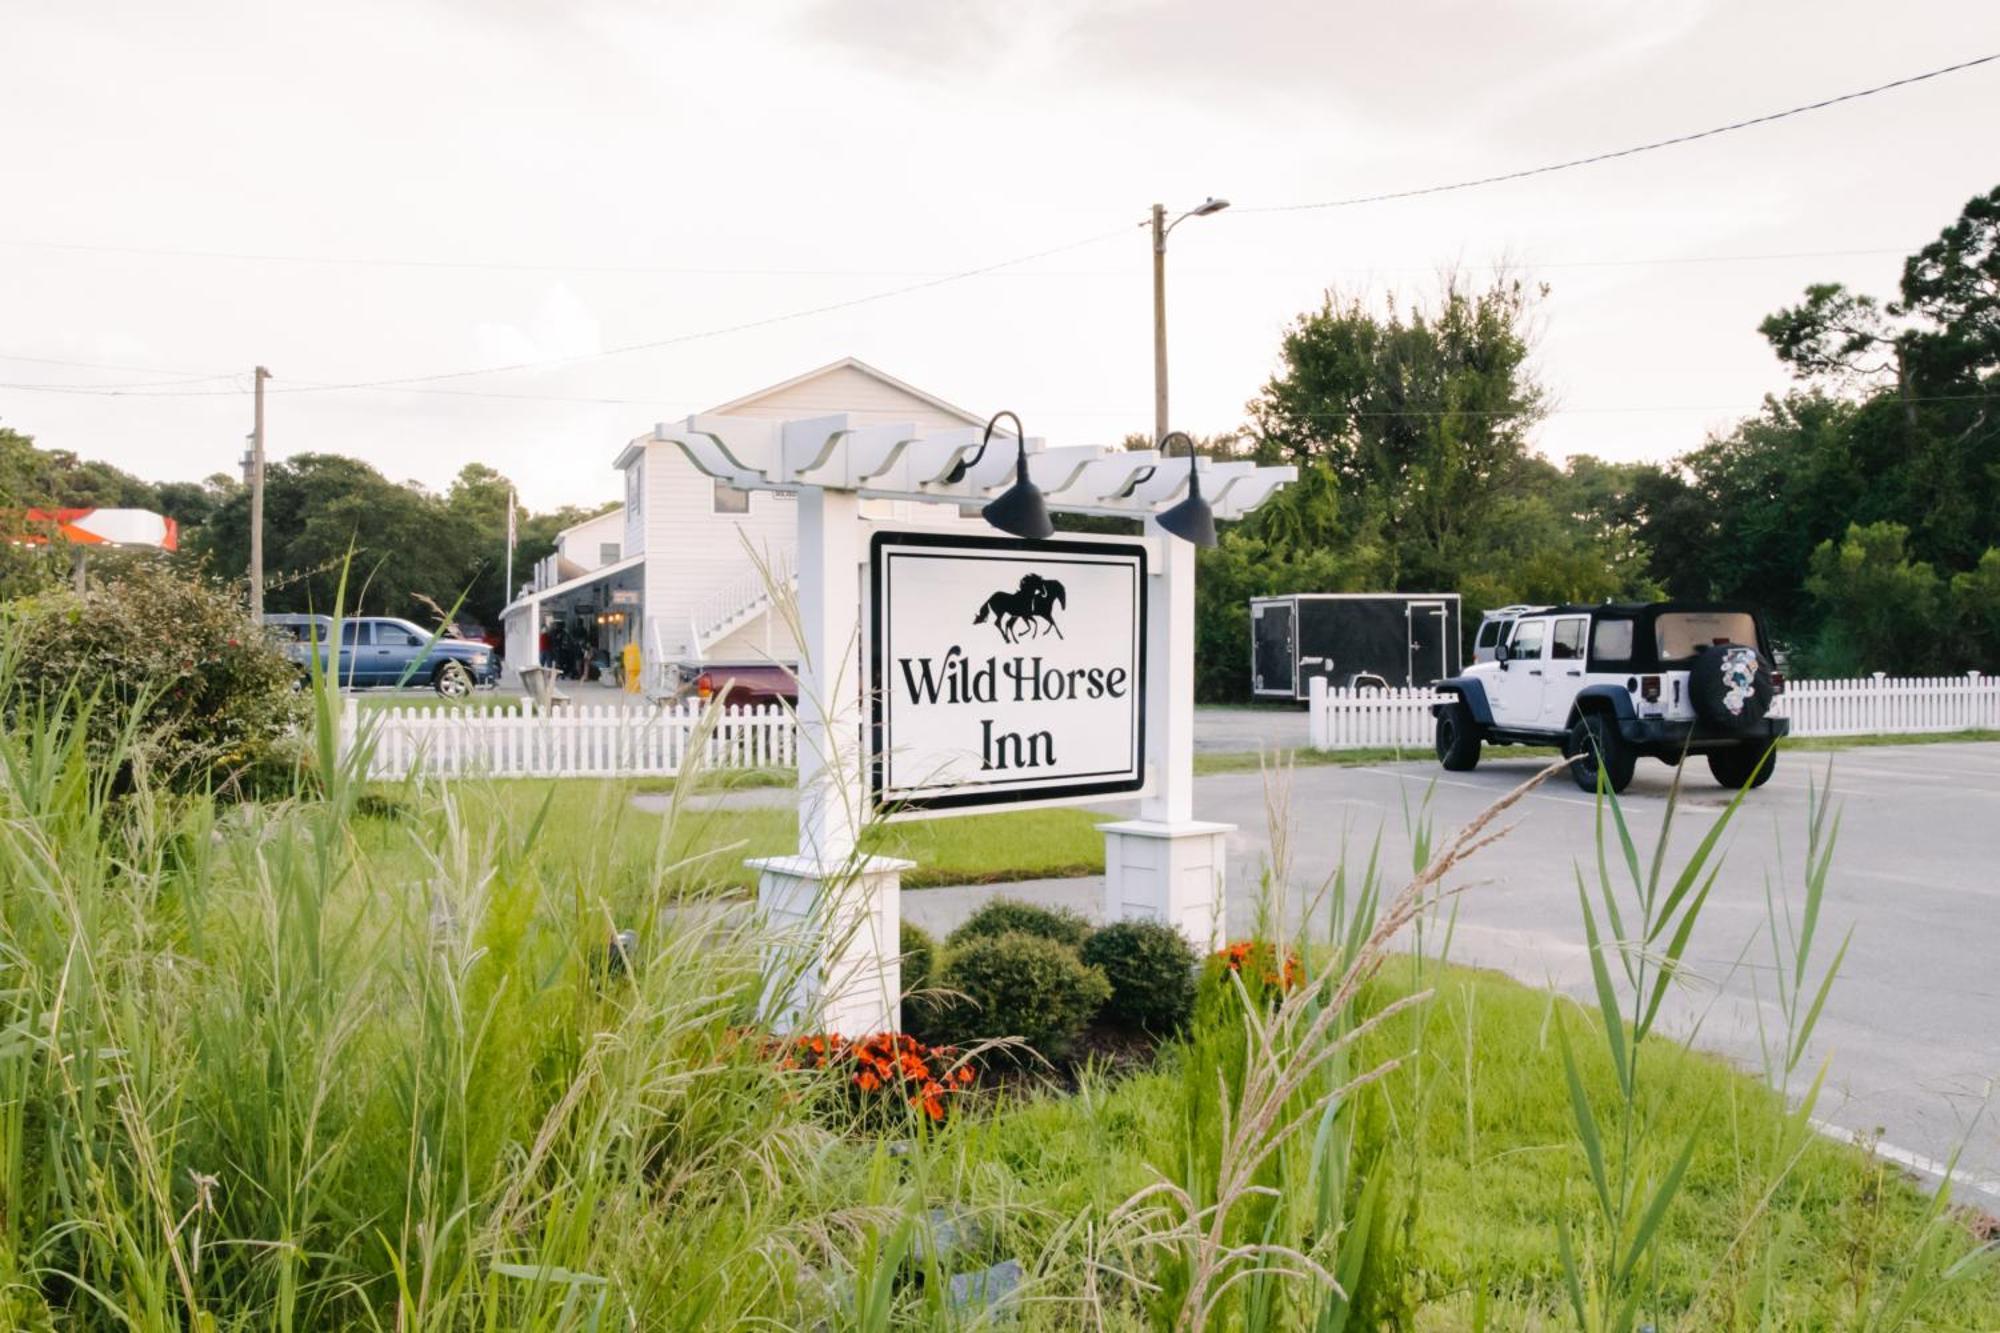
(1534, 671)
(1572, 673)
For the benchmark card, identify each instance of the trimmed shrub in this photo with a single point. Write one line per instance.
(1003, 915)
(184, 689)
(1021, 985)
(1151, 968)
(919, 952)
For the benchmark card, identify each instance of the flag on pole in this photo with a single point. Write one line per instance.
(507, 593)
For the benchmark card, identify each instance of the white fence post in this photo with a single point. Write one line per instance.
(1317, 734)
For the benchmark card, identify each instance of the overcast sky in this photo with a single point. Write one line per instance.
(365, 192)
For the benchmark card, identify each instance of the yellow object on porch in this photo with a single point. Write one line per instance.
(631, 655)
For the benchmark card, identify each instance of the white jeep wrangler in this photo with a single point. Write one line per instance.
(1612, 683)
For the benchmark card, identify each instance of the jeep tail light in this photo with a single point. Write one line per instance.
(1649, 689)
(1777, 682)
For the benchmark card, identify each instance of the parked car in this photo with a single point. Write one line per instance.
(739, 683)
(474, 632)
(382, 650)
(1611, 684)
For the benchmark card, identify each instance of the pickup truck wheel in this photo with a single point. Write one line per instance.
(452, 681)
(1741, 764)
(1594, 742)
(1457, 738)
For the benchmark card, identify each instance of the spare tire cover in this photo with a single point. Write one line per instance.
(1730, 686)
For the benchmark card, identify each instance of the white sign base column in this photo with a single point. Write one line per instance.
(1174, 873)
(834, 958)
(1166, 865)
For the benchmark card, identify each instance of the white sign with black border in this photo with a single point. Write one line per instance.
(1003, 673)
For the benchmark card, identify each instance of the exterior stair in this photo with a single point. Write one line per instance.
(739, 603)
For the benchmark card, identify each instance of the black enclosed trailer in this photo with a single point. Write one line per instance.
(1353, 639)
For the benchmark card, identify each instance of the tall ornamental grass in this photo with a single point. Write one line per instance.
(375, 1058)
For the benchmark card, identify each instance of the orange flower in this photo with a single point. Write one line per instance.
(867, 1082)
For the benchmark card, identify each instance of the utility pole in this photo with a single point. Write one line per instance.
(1159, 322)
(1208, 208)
(257, 504)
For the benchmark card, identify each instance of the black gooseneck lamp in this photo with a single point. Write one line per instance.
(1018, 510)
(1191, 520)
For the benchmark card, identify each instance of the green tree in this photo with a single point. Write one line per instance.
(1975, 602)
(1880, 609)
(1420, 415)
(319, 508)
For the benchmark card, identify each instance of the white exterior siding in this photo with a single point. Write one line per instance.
(583, 544)
(695, 558)
(692, 552)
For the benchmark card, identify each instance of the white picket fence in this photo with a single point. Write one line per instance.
(576, 740)
(1876, 705)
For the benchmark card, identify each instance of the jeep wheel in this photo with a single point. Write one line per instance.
(1742, 763)
(1595, 741)
(452, 681)
(1457, 738)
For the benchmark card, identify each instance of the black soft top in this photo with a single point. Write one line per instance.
(1644, 655)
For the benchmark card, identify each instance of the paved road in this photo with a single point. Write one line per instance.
(1913, 1025)
(1243, 730)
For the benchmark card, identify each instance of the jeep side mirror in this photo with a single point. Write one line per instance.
(1500, 653)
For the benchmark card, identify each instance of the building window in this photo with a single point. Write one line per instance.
(730, 500)
(607, 553)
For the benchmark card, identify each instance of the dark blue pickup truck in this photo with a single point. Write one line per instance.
(382, 650)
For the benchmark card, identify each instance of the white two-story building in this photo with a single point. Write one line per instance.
(686, 567)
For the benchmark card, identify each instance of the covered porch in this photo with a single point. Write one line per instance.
(582, 625)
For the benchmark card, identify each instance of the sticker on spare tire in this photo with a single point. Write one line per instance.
(1739, 678)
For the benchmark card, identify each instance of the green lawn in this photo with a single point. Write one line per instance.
(591, 829)
(1476, 1131)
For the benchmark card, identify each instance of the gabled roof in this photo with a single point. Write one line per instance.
(616, 511)
(851, 363)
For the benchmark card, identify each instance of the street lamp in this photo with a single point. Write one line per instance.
(1191, 520)
(1207, 208)
(1019, 509)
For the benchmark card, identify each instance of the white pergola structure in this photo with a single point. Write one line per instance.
(1165, 865)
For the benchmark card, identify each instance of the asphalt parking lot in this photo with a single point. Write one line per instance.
(1913, 1024)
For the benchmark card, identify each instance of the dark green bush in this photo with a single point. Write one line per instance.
(1011, 914)
(1020, 985)
(919, 952)
(1151, 968)
(181, 687)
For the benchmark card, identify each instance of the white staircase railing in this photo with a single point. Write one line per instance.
(737, 603)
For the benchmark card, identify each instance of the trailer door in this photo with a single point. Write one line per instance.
(1430, 633)
(1273, 653)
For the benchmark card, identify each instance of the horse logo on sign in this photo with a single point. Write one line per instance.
(1025, 611)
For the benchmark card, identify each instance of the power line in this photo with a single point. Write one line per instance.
(961, 275)
(654, 344)
(168, 389)
(1594, 158)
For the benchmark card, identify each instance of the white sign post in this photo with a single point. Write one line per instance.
(1166, 865)
(998, 674)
